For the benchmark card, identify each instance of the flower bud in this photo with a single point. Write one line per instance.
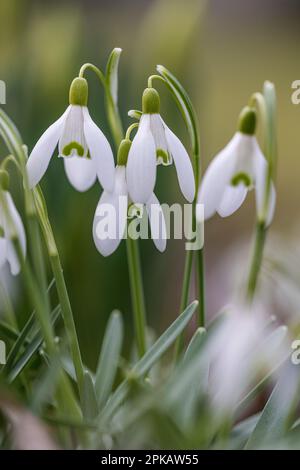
(79, 92)
(151, 101)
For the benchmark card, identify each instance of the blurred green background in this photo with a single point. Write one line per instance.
(222, 51)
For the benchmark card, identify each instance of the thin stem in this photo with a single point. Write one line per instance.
(257, 256)
(60, 285)
(184, 296)
(8, 307)
(130, 129)
(137, 293)
(201, 287)
(112, 112)
(68, 317)
(266, 104)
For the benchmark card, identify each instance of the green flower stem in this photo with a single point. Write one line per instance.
(137, 294)
(10, 314)
(260, 237)
(112, 112)
(266, 106)
(60, 285)
(134, 264)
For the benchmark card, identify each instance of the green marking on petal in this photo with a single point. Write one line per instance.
(2, 234)
(135, 210)
(163, 157)
(67, 150)
(241, 178)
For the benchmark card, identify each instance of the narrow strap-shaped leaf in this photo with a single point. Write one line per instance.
(19, 343)
(30, 350)
(46, 386)
(21, 338)
(275, 417)
(89, 400)
(109, 358)
(150, 358)
(112, 73)
(8, 331)
(185, 105)
(111, 93)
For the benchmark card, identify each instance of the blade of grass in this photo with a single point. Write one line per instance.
(109, 358)
(149, 359)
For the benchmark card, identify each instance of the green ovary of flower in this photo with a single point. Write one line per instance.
(1, 232)
(67, 150)
(241, 178)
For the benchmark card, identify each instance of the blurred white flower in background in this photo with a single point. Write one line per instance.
(245, 345)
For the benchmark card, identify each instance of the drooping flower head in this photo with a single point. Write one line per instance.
(112, 211)
(84, 148)
(235, 170)
(156, 144)
(11, 227)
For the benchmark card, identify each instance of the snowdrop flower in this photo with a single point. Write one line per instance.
(156, 144)
(11, 227)
(86, 151)
(112, 210)
(244, 344)
(238, 168)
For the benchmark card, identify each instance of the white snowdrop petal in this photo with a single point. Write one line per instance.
(81, 172)
(100, 152)
(158, 132)
(12, 259)
(141, 165)
(157, 223)
(2, 252)
(232, 199)
(72, 141)
(183, 165)
(272, 205)
(260, 165)
(40, 156)
(217, 177)
(111, 216)
(17, 222)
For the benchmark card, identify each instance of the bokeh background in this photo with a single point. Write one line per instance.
(222, 51)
